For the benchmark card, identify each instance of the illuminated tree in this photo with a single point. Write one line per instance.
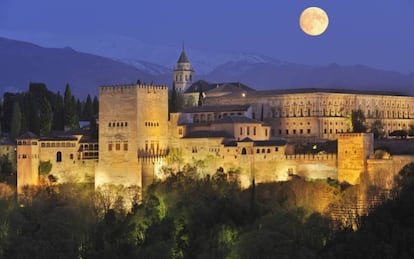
(377, 128)
(358, 121)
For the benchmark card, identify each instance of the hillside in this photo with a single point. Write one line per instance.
(267, 75)
(22, 63)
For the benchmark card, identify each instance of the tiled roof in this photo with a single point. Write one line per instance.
(323, 90)
(6, 141)
(208, 134)
(258, 143)
(269, 143)
(217, 108)
(236, 119)
(183, 58)
(28, 135)
(217, 87)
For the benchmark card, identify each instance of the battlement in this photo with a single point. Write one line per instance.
(352, 134)
(129, 88)
(311, 157)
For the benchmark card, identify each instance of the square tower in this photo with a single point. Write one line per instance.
(353, 151)
(133, 123)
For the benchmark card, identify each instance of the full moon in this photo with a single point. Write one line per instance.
(314, 21)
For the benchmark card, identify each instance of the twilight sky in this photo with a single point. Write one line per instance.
(378, 33)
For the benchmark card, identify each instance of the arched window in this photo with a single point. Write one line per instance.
(244, 152)
(59, 156)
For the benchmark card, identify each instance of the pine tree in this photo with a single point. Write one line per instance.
(16, 120)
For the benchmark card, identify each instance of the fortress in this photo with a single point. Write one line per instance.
(227, 125)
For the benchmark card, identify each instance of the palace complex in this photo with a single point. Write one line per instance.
(227, 125)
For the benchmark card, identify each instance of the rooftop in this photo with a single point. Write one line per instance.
(217, 87)
(217, 108)
(183, 58)
(236, 119)
(208, 134)
(324, 90)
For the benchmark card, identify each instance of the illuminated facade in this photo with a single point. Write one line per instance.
(310, 115)
(236, 128)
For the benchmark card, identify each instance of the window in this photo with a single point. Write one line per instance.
(309, 131)
(241, 131)
(71, 156)
(244, 152)
(126, 146)
(276, 149)
(248, 131)
(109, 124)
(301, 131)
(110, 146)
(180, 131)
(254, 131)
(117, 146)
(59, 156)
(266, 132)
(287, 132)
(294, 132)
(268, 150)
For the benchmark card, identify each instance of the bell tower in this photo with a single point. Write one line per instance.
(183, 73)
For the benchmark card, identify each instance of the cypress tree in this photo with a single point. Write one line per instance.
(45, 116)
(87, 112)
(95, 105)
(69, 109)
(16, 120)
(58, 113)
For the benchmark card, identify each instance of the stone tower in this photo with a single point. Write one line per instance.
(27, 160)
(354, 149)
(133, 127)
(183, 73)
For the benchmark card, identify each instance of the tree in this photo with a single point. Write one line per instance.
(16, 120)
(45, 116)
(358, 120)
(411, 130)
(176, 101)
(6, 168)
(87, 112)
(95, 105)
(377, 128)
(69, 108)
(58, 113)
(399, 133)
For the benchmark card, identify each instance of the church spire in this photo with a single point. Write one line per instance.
(183, 73)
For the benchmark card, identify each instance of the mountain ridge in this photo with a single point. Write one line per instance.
(24, 62)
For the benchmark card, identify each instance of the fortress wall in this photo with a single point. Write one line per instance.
(382, 172)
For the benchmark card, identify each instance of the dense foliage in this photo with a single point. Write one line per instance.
(39, 110)
(211, 217)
